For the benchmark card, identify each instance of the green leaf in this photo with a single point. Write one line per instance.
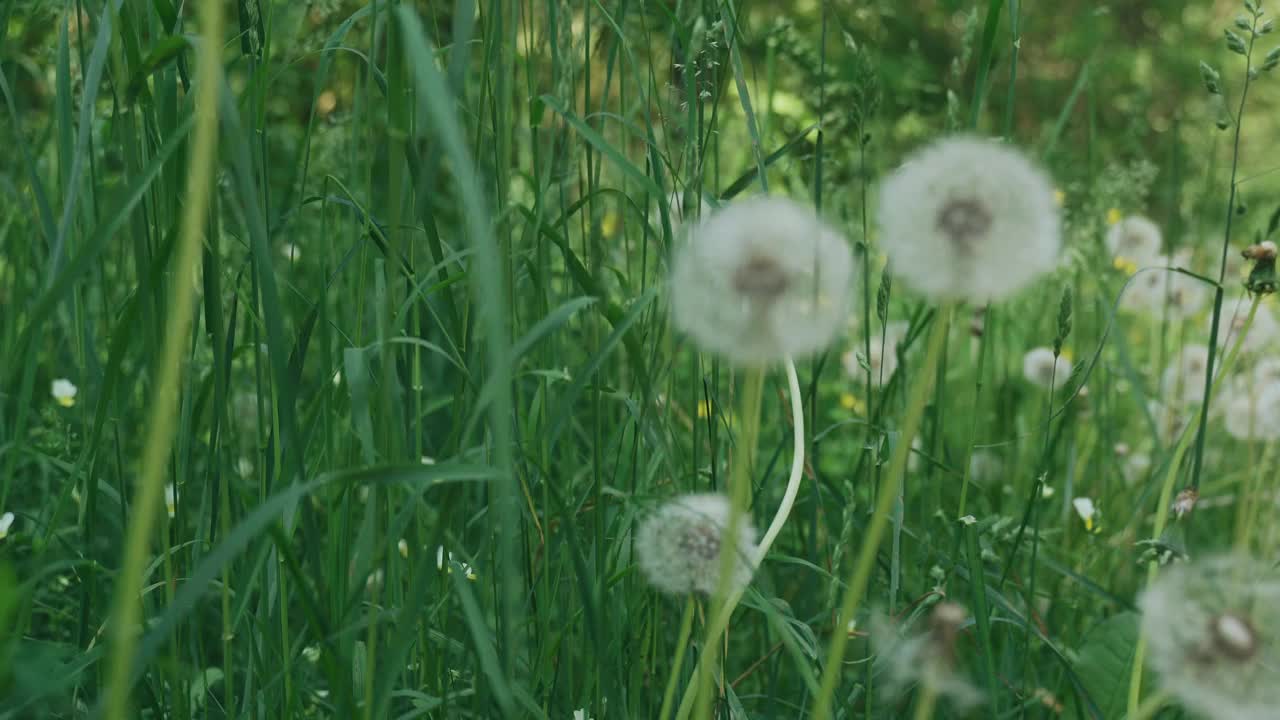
(1104, 660)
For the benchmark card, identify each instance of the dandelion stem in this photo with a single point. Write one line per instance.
(739, 499)
(682, 643)
(927, 702)
(162, 423)
(858, 580)
(1166, 496)
(720, 620)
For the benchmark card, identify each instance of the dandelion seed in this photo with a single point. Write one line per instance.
(678, 546)
(170, 500)
(64, 391)
(1212, 627)
(1086, 510)
(1041, 368)
(926, 658)
(1136, 239)
(760, 280)
(6, 522)
(968, 218)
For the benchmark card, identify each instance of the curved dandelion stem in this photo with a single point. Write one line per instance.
(1166, 496)
(888, 494)
(720, 621)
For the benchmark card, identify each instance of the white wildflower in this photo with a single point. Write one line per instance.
(170, 500)
(1211, 629)
(1134, 239)
(969, 218)
(64, 391)
(403, 547)
(581, 714)
(1086, 510)
(761, 280)
(467, 571)
(883, 360)
(927, 657)
(1042, 369)
(6, 522)
(678, 546)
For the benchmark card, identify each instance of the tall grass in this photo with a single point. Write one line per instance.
(378, 291)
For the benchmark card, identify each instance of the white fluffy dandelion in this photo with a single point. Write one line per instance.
(678, 546)
(882, 361)
(907, 659)
(1253, 414)
(1213, 629)
(761, 280)
(1134, 239)
(1262, 334)
(1153, 291)
(969, 218)
(1042, 369)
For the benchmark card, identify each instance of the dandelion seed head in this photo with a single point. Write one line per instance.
(1136, 238)
(1253, 413)
(910, 658)
(1262, 334)
(678, 546)
(1212, 628)
(1183, 381)
(883, 360)
(760, 280)
(1153, 291)
(1041, 368)
(969, 218)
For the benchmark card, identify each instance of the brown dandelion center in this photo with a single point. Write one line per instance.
(964, 222)
(1233, 637)
(701, 541)
(761, 279)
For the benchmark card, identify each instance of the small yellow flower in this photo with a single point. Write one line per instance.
(1114, 216)
(609, 224)
(704, 409)
(850, 402)
(1125, 265)
(64, 391)
(1059, 197)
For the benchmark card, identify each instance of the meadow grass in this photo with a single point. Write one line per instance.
(366, 310)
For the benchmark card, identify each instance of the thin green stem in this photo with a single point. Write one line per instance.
(1166, 496)
(857, 584)
(682, 644)
(161, 423)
